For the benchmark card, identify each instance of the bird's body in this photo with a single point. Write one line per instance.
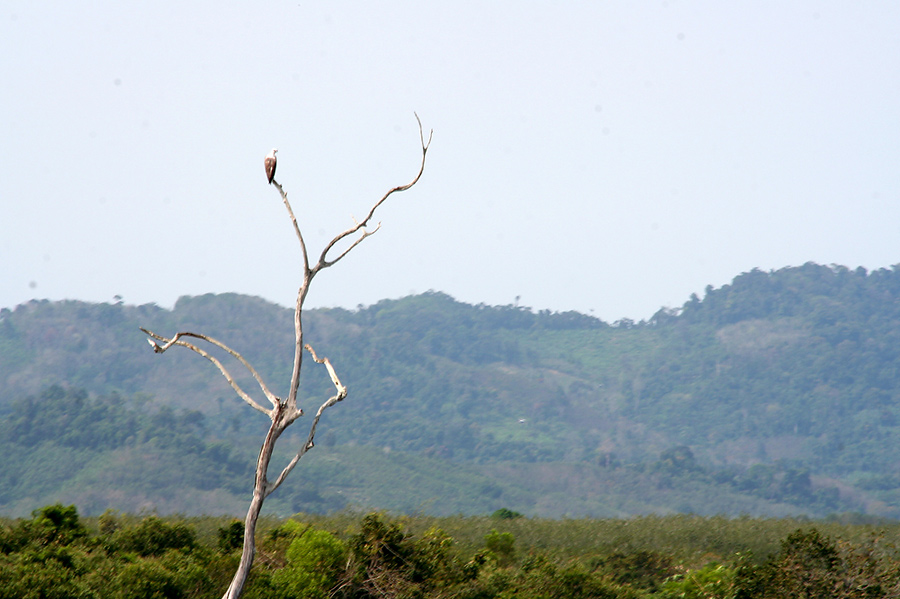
(271, 163)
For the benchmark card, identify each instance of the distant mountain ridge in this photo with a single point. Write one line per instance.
(775, 394)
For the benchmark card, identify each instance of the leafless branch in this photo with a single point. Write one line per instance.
(290, 210)
(323, 261)
(340, 394)
(176, 340)
(355, 243)
(341, 390)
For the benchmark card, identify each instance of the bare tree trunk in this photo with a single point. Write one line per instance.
(283, 411)
(259, 496)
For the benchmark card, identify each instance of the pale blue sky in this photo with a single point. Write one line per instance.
(606, 157)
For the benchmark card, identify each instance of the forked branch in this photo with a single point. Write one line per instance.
(340, 394)
(323, 260)
(176, 340)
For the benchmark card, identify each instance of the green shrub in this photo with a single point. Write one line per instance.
(153, 537)
(231, 537)
(314, 561)
(174, 575)
(502, 546)
(712, 581)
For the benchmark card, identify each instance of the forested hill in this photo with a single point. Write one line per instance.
(775, 394)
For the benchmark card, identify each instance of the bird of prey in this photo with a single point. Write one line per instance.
(271, 163)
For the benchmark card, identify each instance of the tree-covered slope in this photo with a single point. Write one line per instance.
(776, 393)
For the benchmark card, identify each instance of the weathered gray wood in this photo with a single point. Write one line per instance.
(284, 411)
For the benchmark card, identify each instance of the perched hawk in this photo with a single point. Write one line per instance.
(271, 163)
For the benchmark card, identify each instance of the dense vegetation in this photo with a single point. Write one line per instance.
(58, 554)
(776, 394)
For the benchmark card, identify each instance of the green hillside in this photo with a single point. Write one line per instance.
(776, 394)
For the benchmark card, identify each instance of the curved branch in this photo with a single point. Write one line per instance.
(323, 260)
(353, 245)
(287, 205)
(341, 389)
(341, 393)
(176, 340)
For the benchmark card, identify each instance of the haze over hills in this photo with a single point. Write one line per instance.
(777, 394)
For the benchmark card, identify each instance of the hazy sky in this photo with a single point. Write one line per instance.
(605, 157)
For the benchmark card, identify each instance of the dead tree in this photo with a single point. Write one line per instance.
(283, 411)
